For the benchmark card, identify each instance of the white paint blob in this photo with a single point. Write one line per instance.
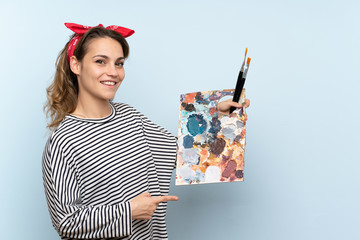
(186, 173)
(231, 127)
(212, 174)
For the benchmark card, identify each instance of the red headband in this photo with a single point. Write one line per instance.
(81, 29)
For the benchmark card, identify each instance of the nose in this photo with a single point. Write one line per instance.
(111, 70)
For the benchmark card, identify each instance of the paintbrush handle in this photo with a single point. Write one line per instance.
(238, 90)
(232, 109)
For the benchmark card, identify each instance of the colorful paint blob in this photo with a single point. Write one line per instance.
(211, 144)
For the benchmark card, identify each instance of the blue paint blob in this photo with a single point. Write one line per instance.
(237, 138)
(188, 141)
(239, 124)
(196, 124)
(215, 126)
(239, 174)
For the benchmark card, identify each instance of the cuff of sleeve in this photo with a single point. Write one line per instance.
(126, 220)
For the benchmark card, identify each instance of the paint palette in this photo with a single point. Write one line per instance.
(211, 145)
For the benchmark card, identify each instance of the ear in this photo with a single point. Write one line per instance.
(74, 65)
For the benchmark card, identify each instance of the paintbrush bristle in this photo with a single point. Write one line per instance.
(248, 61)
(245, 52)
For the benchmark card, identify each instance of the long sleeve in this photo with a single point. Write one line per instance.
(69, 216)
(162, 143)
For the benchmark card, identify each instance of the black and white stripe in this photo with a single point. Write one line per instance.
(92, 168)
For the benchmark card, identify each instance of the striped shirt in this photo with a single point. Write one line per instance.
(92, 168)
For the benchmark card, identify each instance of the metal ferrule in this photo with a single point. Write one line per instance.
(245, 70)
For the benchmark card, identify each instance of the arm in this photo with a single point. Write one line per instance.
(69, 216)
(163, 145)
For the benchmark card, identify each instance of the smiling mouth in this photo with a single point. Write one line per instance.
(108, 83)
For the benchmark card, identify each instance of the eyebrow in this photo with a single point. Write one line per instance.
(106, 57)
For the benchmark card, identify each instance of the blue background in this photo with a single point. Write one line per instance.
(302, 156)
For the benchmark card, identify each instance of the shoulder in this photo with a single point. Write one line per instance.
(121, 107)
(126, 109)
(61, 134)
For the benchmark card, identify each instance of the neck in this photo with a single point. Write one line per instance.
(92, 109)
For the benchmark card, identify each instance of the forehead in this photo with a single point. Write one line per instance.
(105, 46)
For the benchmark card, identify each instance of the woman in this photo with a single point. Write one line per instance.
(106, 167)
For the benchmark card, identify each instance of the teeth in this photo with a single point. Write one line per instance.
(108, 83)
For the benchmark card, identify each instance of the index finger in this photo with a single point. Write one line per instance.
(165, 198)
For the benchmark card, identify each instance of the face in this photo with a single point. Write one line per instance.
(101, 71)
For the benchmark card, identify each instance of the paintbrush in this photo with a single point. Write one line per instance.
(240, 81)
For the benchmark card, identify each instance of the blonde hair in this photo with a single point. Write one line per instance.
(62, 94)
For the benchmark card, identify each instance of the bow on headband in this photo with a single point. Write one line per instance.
(81, 29)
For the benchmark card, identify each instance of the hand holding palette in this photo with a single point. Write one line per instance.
(211, 145)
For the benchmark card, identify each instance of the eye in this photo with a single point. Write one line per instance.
(120, 64)
(100, 61)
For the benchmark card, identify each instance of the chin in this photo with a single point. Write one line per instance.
(110, 98)
(107, 98)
